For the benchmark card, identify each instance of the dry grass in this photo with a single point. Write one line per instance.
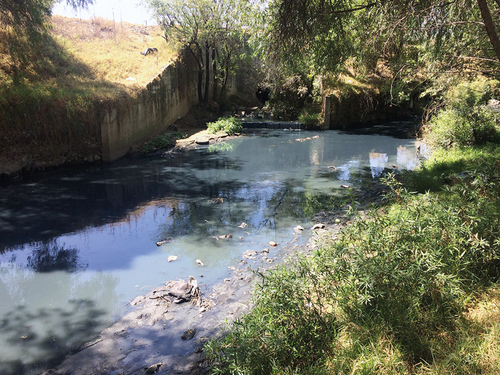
(112, 50)
(98, 56)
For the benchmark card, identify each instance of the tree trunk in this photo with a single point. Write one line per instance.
(199, 61)
(489, 26)
(214, 71)
(207, 71)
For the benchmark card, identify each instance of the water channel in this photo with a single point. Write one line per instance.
(76, 245)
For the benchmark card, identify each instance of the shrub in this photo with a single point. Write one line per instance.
(157, 143)
(405, 275)
(230, 125)
(466, 121)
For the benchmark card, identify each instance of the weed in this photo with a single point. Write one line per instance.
(157, 143)
(230, 125)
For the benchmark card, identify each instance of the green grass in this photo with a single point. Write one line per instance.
(229, 125)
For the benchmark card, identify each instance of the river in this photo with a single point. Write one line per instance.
(78, 244)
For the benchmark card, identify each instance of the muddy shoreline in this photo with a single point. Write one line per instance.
(159, 331)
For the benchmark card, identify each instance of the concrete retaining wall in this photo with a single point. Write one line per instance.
(169, 96)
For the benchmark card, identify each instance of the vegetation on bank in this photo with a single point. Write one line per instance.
(412, 288)
(229, 125)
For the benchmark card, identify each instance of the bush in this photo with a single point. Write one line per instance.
(230, 125)
(157, 143)
(467, 120)
(288, 99)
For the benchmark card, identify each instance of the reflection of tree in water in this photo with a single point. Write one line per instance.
(53, 257)
(258, 205)
(46, 332)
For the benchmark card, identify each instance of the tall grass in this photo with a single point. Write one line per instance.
(393, 294)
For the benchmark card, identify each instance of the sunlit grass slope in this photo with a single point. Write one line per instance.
(112, 49)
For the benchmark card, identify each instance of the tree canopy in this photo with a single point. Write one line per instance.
(448, 34)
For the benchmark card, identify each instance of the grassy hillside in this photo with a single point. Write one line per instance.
(112, 50)
(51, 102)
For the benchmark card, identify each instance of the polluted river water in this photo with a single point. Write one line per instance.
(77, 245)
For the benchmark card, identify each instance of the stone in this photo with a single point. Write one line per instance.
(202, 141)
(249, 254)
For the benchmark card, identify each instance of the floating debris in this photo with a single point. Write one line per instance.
(272, 243)
(298, 229)
(164, 241)
(318, 226)
(224, 237)
(216, 200)
(153, 369)
(199, 262)
(183, 291)
(188, 334)
(171, 258)
(243, 225)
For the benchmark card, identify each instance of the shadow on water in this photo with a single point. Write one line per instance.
(16, 327)
(52, 257)
(41, 207)
(44, 327)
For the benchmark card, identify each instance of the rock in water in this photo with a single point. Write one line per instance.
(153, 369)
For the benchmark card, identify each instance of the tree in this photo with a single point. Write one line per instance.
(210, 30)
(25, 23)
(446, 33)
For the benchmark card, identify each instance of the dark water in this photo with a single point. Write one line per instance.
(77, 245)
